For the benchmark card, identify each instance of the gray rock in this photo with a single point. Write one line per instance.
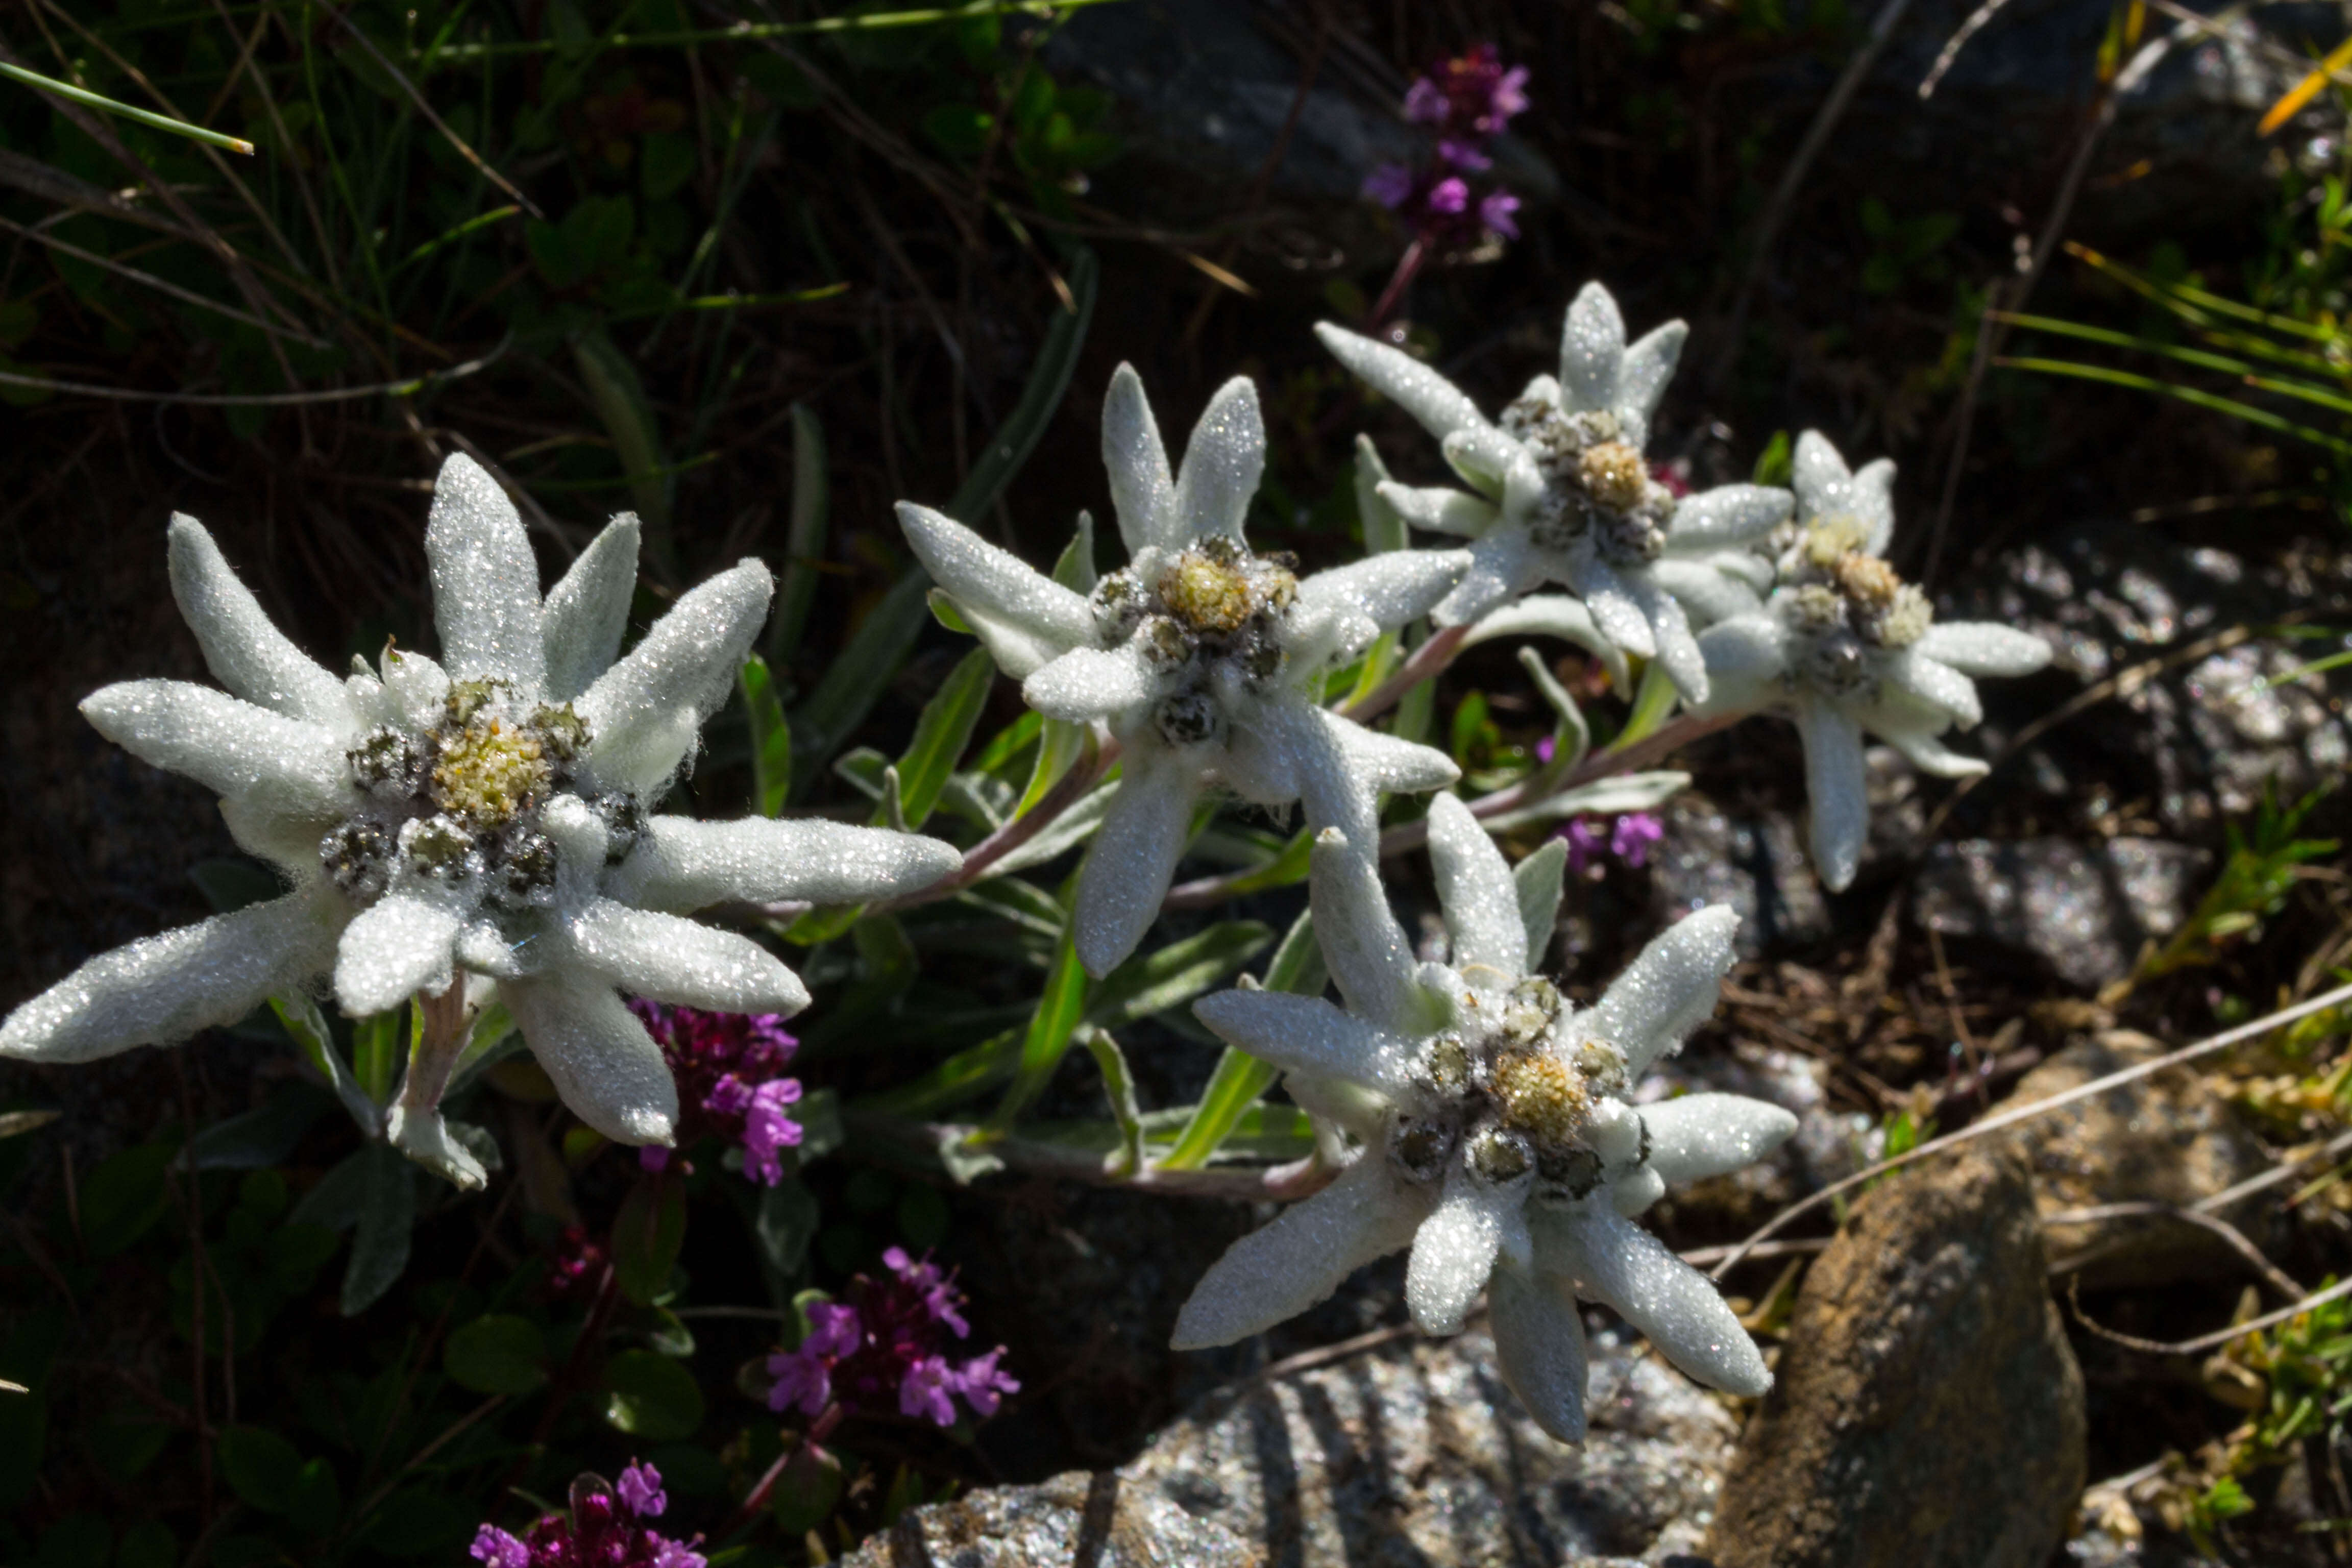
(2083, 909)
(1926, 1410)
(1757, 865)
(2165, 1139)
(1410, 1454)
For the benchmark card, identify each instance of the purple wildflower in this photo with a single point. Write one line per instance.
(1390, 184)
(1585, 844)
(731, 1083)
(1463, 155)
(495, 1548)
(1631, 838)
(640, 1488)
(1495, 210)
(884, 1349)
(1466, 102)
(597, 1531)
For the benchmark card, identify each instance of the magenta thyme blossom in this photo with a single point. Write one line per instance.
(1628, 838)
(1466, 102)
(1472, 94)
(884, 1347)
(605, 1528)
(731, 1083)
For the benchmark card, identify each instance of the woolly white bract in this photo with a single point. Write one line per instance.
(487, 814)
(1495, 1138)
(1561, 492)
(1844, 645)
(1201, 658)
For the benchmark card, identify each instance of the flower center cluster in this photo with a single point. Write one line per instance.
(1845, 602)
(461, 801)
(1210, 617)
(1596, 483)
(1502, 1092)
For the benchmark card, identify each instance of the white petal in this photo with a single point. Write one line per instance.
(1592, 352)
(1694, 1136)
(245, 651)
(485, 581)
(995, 581)
(165, 989)
(1835, 780)
(1745, 658)
(643, 714)
(1678, 652)
(1928, 754)
(1481, 455)
(1091, 683)
(1362, 944)
(604, 1065)
(588, 610)
(1634, 1191)
(1392, 588)
(1649, 365)
(1332, 792)
(1557, 615)
(404, 942)
(1135, 852)
(666, 958)
(1537, 881)
(1455, 1249)
(1306, 1034)
(422, 1134)
(416, 687)
(1503, 564)
(285, 768)
(1824, 483)
(1706, 592)
(1018, 651)
(1983, 648)
(1728, 515)
(1283, 1269)
(681, 865)
(1873, 502)
(1439, 510)
(1540, 1348)
(1668, 990)
(1440, 408)
(1475, 890)
(1142, 493)
(1222, 463)
(1392, 766)
(1937, 684)
(1614, 1261)
(1615, 609)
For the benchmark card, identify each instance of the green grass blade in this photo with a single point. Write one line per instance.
(2190, 394)
(960, 1077)
(1172, 975)
(73, 94)
(620, 401)
(1239, 1078)
(1118, 1087)
(804, 538)
(1051, 1029)
(771, 738)
(942, 735)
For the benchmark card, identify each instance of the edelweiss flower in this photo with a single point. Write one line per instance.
(492, 817)
(1202, 657)
(1496, 1139)
(1564, 494)
(1844, 645)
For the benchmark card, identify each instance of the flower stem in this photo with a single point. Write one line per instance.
(1075, 786)
(1408, 267)
(1426, 663)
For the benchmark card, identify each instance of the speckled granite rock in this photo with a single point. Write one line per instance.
(1757, 865)
(2164, 1139)
(1927, 1412)
(1411, 1455)
(2083, 909)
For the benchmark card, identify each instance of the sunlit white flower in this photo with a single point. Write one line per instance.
(1844, 645)
(1497, 1141)
(1563, 494)
(1202, 658)
(491, 813)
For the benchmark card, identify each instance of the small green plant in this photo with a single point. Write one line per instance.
(2261, 868)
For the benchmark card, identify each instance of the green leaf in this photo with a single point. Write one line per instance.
(1026, 904)
(263, 1136)
(1537, 881)
(1049, 378)
(960, 1077)
(1049, 1032)
(783, 1226)
(299, 1017)
(1775, 464)
(1119, 1087)
(388, 1212)
(819, 1115)
(860, 675)
(1060, 744)
(619, 398)
(1297, 965)
(960, 130)
(375, 1053)
(1153, 983)
(665, 162)
(942, 735)
(499, 1353)
(234, 882)
(123, 1198)
(1239, 1078)
(651, 1396)
(318, 1498)
(771, 738)
(1075, 569)
(1571, 737)
(804, 540)
(260, 1467)
(807, 1492)
(648, 1234)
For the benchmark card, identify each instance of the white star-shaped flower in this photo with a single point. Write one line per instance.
(488, 814)
(1202, 658)
(1496, 1140)
(1562, 493)
(1844, 645)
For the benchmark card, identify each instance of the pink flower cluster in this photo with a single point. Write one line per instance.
(885, 1344)
(604, 1528)
(731, 1083)
(1628, 838)
(1467, 101)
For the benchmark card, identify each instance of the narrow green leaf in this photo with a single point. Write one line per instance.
(620, 403)
(87, 100)
(387, 1214)
(1297, 966)
(1051, 1027)
(1118, 1085)
(1075, 568)
(1239, 1078)
(1571, 737)
(771, 738)
(1026, 904)
(1041, 397)
(302, 1019)
(1060, 744)
(962, 1077)
(1154, 982)
(942, 735)
(860, 675)
(804, 539)
(16, 1123)
(376, 1054)
(1538, 879)
(998, 754)
(263, 1136)
(2247, 412)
